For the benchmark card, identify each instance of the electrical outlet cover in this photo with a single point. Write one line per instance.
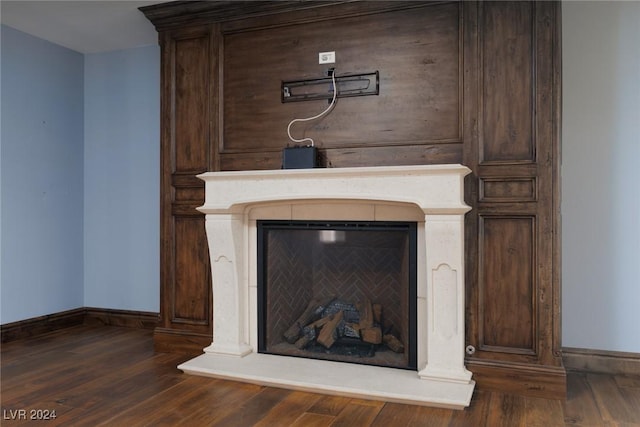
(327, 57)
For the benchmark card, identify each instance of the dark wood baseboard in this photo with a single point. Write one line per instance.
(602, 361)
(185, 342)
(127, 318)
(548, 382)
(65, 319)
(41, 324)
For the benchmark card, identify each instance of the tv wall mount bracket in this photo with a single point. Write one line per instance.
(349, 85)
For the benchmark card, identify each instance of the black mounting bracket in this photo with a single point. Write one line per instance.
(349, 85)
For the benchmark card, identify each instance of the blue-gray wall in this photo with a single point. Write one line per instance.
(41, 177)
(122, 179)
(600, 175)
(79, 218)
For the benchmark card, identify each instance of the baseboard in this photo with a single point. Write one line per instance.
(41, 324)
(127, 318)
(602, 361)
(549, 382)
(177, 341)
(51, 322)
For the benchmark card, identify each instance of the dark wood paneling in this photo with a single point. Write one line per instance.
(529, 379)
(180, 14)
(506, 283)
(395, 156)
(419, 101)
(508, 81)
(188, 109)
(353, 157)
(511, 143)
(508, 189)
(192, 273)
(470, 82)
(190, 86)
(188, 194)
(179, 340)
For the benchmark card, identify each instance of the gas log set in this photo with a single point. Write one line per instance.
(329, 323)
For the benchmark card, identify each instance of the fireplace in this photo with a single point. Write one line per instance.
(332, 204)
(338, 290)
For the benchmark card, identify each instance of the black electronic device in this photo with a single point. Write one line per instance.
(300, 157)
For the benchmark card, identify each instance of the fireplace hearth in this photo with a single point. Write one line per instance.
(237, 204)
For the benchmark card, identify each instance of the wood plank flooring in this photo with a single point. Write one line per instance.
(103, 375)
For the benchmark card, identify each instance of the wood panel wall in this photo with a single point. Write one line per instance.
(512, 97)
(460, 82)
(418, 108)
(188, 62)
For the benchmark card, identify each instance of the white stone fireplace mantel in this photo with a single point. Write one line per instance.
(432, 196)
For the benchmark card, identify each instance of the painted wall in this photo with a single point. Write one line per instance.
(79, 178)
(41, 150)
(600, 175)
(41, 177)
(121, 179)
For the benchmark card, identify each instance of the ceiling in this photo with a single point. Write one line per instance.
(83, 26)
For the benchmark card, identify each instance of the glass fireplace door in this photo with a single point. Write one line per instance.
(342, 291)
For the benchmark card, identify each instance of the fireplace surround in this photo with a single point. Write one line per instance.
(431, 196)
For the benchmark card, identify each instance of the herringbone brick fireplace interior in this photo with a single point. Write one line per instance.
(343, 265)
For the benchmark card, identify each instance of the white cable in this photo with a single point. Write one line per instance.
(317, 116)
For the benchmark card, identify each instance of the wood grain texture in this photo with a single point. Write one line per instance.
(84, 315)
(352, 157)
(182, 341)
(186, 140)
(508, 81)
(507, 266)
(477, 83)
(191, 121)
(527, 379)
(128, 318)
(94, 375)
(512, 239)
(580, 407)
(38, 325)
(508, 189)
(419, 98)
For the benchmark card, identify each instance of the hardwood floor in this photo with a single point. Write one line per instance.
(104, 375)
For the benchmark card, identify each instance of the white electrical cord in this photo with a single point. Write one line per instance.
(317, 116)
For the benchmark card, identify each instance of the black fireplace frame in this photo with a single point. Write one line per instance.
(408, 226)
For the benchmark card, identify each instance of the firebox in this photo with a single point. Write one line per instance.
(341, 291)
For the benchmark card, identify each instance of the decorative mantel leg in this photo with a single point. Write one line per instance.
(445, 299)
(226, 236)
